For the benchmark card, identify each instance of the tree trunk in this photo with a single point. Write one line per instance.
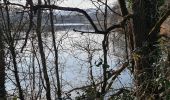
(56, 55)
(2, 70)
(145, 17)
(42, 54)
(105, 44)
(12, 50)
(105, 64)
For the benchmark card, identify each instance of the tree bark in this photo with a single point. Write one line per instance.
(105, 64)
(144, 19)
(42, 54)
(12, 50)
(2, 70)
(105, 44)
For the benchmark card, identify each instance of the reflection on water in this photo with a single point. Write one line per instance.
(73, 59)
(72, 24)
(79, 26)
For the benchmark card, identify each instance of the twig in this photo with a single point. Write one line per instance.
(115, 74)
(75, 30)
(30, 25)
(36, 7)
(121, 90)
(159, 23)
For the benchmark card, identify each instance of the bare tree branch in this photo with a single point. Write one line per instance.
(97, 31)
(115, 74)
(159, 23)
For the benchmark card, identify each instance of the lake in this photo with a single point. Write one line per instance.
(73, 58)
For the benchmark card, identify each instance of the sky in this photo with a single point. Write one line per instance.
(82, 3)
(71, 3)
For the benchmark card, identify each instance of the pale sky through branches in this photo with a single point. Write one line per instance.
(70, 3)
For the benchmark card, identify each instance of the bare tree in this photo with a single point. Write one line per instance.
(9, 37)
(56, 53)
(41, 50)
(139, 29)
